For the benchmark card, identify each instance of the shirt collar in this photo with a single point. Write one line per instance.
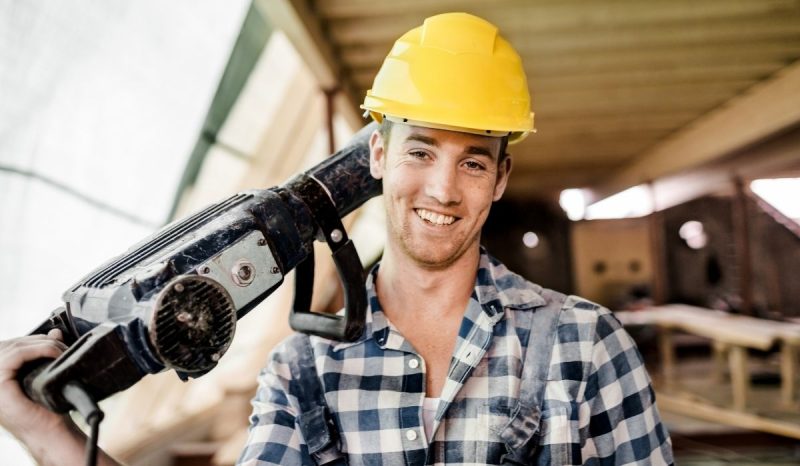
(496, 289)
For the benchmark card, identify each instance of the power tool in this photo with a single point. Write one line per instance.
(173, 300)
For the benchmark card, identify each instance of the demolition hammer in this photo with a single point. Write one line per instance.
(172, 301)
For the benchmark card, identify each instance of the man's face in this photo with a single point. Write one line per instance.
(438, 187)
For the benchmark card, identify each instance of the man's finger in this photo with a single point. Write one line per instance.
(14, 355)
(58, 336)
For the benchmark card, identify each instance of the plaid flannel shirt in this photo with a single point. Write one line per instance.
(599, 406)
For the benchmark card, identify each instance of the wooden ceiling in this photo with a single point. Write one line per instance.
(615, 84)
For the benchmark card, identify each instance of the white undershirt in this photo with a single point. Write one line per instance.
(429, 407)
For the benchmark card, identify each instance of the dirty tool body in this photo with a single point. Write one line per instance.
(173, 300)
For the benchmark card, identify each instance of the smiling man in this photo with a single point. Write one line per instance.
(462, 361)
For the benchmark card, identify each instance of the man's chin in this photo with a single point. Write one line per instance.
(435, 258)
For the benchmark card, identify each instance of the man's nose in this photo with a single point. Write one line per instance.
(442, 184)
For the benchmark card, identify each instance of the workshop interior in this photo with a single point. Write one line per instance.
(212, 156)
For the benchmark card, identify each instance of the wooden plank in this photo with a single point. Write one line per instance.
(303, 29)
(720, 357)
(626, 95)
(369, 57)
(601, 80)
(700, 410)
(666, 352)
(699, 103)
(562, 11)
(542, 65)
(789, 362)
(590, 138)
(716, 325)
(741, 240)
(740, 376)
(762, 111)
(521, 29)
(778, 156)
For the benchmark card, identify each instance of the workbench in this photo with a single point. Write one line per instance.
(730, 337)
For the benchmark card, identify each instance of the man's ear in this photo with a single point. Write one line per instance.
(376, 154)
(503, 172)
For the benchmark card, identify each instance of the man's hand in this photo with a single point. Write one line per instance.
(18, 414)
(51, 439)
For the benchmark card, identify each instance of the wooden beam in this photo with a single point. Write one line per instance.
(571, 76)
(762, 111)
(303, 29)
(602, 79)
(683, 75)
(691, 92)
(699, 103)
(777, 157)
(559, 11)
(692, 407)
(565, 128)
(741, 239)
(521, 27)
(542, 64)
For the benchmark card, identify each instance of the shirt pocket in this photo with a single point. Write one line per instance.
(558, 433)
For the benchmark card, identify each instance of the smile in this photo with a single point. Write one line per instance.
(434, 218)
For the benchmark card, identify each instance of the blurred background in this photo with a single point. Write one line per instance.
(663, 182)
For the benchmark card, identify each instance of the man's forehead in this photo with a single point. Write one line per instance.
(436, 137)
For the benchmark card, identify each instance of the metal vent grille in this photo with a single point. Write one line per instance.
(193, 324)
(107, 274)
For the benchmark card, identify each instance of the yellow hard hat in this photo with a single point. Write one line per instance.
(454, 72)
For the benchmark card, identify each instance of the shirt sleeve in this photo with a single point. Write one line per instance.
(273, 435)
(619, 410)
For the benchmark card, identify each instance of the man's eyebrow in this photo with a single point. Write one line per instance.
(480, 150)
(423, 139)
(472, 150)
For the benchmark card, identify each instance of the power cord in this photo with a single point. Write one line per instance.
(91, 413)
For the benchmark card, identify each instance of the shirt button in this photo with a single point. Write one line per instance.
(411, 434)
(413, 363)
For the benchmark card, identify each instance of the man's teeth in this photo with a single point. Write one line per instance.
(436, 219)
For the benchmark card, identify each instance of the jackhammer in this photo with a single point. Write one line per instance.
(172, 301)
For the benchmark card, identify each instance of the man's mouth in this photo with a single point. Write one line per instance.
(434, 218)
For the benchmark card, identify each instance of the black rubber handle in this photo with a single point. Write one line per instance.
(350, 326)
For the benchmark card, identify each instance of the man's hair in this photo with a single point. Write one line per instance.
(385, 129)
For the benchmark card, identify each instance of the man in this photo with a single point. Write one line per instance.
(462, 361)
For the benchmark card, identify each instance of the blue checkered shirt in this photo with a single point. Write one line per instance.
(599, 406)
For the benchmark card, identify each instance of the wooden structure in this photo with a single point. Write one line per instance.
(619, 87)
(731, 336)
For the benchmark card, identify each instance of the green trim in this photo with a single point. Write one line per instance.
(253, 36)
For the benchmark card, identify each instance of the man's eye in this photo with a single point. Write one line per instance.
(473, 165)
(418, 154)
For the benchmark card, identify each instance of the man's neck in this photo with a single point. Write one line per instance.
(408, 290)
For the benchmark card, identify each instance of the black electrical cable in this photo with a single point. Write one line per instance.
(91, 413)
(91, 442)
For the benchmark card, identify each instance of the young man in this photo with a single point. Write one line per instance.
(462, 361)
